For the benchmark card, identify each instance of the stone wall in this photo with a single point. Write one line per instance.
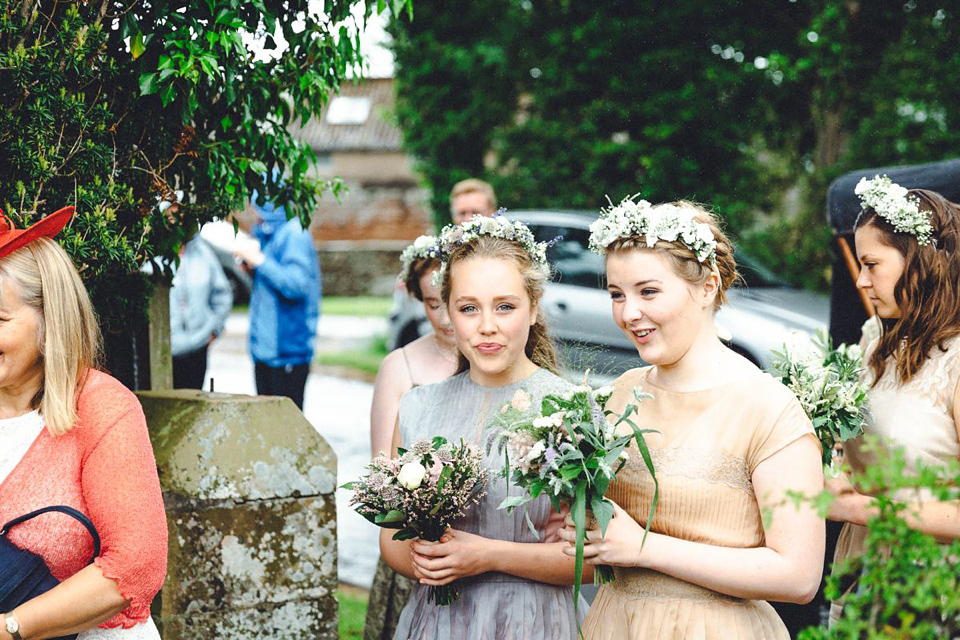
(249, 487)
(373, 211)
(359, 269)
(360, 239)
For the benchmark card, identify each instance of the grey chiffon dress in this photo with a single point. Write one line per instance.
(492, 606)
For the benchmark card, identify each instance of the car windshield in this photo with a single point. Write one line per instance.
(574, 264)
(572, 261)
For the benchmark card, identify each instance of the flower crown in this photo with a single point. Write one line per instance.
(666, 222)
(422, 247)
(892, 203)
(498, 226)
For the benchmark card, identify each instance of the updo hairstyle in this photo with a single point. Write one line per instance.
(418, 268)
(684, 261)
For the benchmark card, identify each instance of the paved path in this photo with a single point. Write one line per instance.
(338, 408)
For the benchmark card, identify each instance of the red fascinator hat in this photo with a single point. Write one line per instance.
(12, 239)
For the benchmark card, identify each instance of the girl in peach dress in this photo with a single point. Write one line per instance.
(731, 443)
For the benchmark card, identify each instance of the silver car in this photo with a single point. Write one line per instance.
(759, 316)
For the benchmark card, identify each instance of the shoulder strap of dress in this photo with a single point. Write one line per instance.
(403, 350)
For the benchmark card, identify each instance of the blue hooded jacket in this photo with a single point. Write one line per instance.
(285, 301)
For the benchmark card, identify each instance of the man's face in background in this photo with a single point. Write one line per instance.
(466, 205)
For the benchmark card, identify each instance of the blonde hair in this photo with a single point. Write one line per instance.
(472, 185)
(539, 347)
(68, 334)
(684, 261)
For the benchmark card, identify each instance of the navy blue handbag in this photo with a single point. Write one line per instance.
(24, 574)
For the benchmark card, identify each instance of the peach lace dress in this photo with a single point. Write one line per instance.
(917, 417)
(709, 444)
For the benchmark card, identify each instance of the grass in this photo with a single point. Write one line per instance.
(366, 361)
(356, 305)
(353, 610)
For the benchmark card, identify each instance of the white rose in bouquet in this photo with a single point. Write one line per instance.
(411, 475)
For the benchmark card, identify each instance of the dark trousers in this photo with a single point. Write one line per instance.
(288, 381)
(190, 369)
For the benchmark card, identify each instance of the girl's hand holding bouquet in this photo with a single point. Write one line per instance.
(568, 450)
(421, 492)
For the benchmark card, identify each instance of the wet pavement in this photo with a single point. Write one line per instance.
(339, 409)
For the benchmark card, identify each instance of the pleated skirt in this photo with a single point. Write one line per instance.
(647, 605)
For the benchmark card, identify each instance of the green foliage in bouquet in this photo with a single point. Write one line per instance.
(907, 583)
(826, 380)
(569, 451)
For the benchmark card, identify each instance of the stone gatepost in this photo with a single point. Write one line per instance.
(249, 486)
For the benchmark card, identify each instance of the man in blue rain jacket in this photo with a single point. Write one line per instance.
(284, 303)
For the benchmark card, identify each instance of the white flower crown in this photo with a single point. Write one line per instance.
(666, 222)
(497, 226)
(892, 203)
(422, 247)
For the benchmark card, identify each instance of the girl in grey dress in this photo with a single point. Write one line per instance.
(513, 584)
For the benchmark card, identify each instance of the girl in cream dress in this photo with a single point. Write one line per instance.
(907, 244)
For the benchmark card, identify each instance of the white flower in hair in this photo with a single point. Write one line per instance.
(422, 247)
(666, 222)
(893, 204)
(497, 226)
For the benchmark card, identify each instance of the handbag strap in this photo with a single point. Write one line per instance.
(70, 511)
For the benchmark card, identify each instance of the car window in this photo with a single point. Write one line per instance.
(569, 255)
(755, 275)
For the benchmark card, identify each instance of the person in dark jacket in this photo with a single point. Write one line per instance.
(284, 303)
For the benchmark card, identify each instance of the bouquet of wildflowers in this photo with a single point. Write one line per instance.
(421, 492)
(567, 450)
(826, 380)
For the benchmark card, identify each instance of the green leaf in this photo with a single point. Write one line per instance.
(600, 484)
(602, 510)
(648, 461)
(445, 474)
(167, 94)
(512, 502)
(530, 526)
(405, 534)
(136, 45)
(578, 513)
(148, 84)
(389, 517)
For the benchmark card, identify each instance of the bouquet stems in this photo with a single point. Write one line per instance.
(443, 595)
(602, 573)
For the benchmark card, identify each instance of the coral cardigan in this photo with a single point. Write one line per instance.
(104, 467)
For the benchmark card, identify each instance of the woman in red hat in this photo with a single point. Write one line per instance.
(71, 435)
